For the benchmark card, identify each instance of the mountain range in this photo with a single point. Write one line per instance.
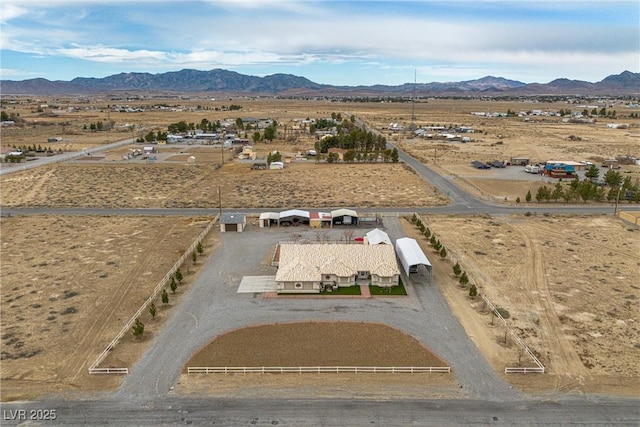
(230, 82)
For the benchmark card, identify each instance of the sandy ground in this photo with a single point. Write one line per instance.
(569, 284)
(69, 284)
(164, 185)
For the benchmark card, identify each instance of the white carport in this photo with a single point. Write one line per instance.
(377, 237)
(267, 219)
(412, 258)
(294, 217)
(344, 217)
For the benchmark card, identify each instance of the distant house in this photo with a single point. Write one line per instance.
(232, 222)
(312, 268)
(276, 165)
(519, 161)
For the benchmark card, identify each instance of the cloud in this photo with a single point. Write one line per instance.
(9, 11)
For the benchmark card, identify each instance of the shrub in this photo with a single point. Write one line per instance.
(457, 269)
(473, 291)
(503, 312)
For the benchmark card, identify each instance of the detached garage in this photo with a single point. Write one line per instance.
(232, 222)
(413, 260)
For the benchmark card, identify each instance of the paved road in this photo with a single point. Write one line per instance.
(333, 412)
(58, 158)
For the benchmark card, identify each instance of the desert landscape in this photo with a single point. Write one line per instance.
(568, 281)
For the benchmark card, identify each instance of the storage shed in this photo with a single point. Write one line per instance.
(413, 260)
(232, 222)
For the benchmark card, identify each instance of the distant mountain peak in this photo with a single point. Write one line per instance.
(225, 81)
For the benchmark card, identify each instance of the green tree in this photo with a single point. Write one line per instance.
(349, 156)
(194, 256)
(542, 194)
(153, 311)
(239, 123)
(4, 117)
(473, 291)
(528, 196)
(464, 279)
(199, 248)
(138, 328)
(427, 233)
(613, 178)
(592, 173)
(518, 199)
(557, 192)
(457, 269)
(394, 155)
(256, 137)
(178, 275)
(173, 285)
(443, 253)
(270, 133)
(414, 219)
(165, 297)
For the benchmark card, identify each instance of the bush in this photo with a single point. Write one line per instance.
(138, 328)
(503, 312)
(464, 279)
(473, 291)
(457, 269)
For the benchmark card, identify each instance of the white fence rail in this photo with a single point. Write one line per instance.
(513, 370)
(93, 369)
(319, 370)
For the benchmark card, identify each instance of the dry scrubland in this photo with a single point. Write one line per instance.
(568, 282)
(69, 284)
(183, 186)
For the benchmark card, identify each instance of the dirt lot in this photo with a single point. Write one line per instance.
(69, 284)
(569, 284)
(165, 185)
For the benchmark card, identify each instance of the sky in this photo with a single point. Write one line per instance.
(329, 42)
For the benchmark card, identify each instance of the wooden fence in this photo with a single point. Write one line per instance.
(319, 370)
(93, 369)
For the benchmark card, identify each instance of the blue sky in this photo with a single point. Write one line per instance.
(331, 42)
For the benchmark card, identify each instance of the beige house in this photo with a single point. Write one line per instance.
(311, 268)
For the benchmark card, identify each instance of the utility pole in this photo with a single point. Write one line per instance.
(219, 204)
(615, 210)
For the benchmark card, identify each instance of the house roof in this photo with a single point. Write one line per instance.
(232, 218)
(294, 212)
(377, 236)
(343, 212)
(308, 262)
(410, 253)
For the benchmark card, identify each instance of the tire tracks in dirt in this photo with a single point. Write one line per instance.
(563, 359)
(89, 345)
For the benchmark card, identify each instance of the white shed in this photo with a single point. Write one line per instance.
(412, 258)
